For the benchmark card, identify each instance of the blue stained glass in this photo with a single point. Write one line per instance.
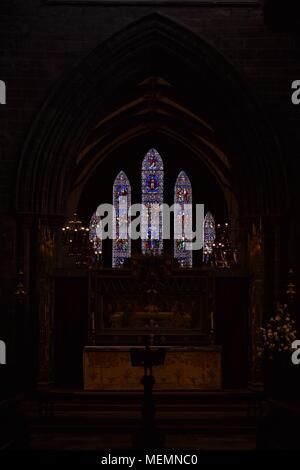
(152, 184)
(152, 181)
(182, 220)
(121, 245)
(209, 237)
(94, 235)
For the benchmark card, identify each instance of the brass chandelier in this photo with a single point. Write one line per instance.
(76, 240)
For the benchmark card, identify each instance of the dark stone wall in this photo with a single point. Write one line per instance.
(39, 43)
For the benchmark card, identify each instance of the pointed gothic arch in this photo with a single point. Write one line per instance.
(121, 249)
(183, 220)
(209, 236)
(152, 186)
(83, 96)
(94, 235)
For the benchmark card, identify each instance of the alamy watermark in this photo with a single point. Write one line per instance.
(296, 354)
(2, 343)
(2, 353)
(152, 221)
(296, 92)
(2, 92)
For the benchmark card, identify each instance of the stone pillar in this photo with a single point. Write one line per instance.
(7, 308)
(277, 280)
(256, 256)
(24, 303)
(45, 301)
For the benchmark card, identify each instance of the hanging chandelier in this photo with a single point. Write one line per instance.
(76, 240)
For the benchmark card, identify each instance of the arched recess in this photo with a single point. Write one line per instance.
(198, 100)
(154, 45)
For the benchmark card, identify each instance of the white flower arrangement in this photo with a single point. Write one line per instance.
(279, 334)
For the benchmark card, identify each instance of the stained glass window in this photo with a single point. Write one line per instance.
(121, 202)
(183, 220)
(209, 237)
(95, 239)
(152, 198)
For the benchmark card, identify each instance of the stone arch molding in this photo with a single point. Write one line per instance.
(153, 44)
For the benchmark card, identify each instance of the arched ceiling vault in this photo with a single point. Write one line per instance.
(197, 97)
(141, 116)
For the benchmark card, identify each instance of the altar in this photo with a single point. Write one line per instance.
(185, 368)
(151, 298)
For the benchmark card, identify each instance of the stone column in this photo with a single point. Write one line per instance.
(45, 300)
(256, 257)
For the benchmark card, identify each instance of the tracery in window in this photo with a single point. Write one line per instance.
(152, 181)
(209, 237)
(95, 237)
(183, 220)
(121, 203)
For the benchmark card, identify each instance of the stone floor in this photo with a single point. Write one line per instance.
(120, 442)
(200, 421)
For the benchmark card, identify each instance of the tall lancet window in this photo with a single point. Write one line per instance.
(209, 237)
(121, 203)
(183, 218)
(152, 199)
(95, 236)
